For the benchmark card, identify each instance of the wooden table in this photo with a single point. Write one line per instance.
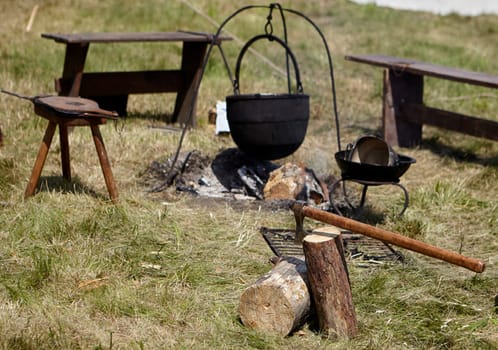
(404, 112)
(111, 89)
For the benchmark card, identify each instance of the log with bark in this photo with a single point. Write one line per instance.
(279, 301)
(329, 283)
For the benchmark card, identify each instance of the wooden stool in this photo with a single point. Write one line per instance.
(68, 112)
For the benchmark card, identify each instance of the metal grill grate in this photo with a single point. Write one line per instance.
(358, 248)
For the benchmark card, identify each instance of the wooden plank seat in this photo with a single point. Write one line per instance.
(91, 117)
(404, 111)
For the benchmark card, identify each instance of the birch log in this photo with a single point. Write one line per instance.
(279, 301)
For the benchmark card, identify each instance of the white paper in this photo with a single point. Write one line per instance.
(221, 118)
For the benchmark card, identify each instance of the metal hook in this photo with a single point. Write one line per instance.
(269, 25)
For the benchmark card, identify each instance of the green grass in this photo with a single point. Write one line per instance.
(165, 270)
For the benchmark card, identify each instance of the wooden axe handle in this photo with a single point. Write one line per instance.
(385, 236)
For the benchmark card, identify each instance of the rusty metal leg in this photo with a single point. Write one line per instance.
(345, 194)
(40, 160)
(405, 204)
(363, 196)
(65, 157)
(104, 163)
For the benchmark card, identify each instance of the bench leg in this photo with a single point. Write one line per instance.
(65, 157)
(104, 163)
(74, 62)
(40, 160)
(401, 88)
(192, 59)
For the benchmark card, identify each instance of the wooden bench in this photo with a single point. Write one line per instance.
(111, 89)
(404, 111)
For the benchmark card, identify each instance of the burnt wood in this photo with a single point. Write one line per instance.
(404, 112)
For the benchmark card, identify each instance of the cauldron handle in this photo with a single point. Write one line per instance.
(270, 37)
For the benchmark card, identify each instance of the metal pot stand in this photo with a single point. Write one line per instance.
(365, 184)
(369, 162)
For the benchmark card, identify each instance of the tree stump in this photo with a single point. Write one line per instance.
(279, 301)
(329, 283)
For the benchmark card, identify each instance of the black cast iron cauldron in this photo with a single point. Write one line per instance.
(268, 126)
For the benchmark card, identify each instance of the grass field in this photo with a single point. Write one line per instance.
(166, 270)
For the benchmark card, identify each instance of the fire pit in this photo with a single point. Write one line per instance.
(232, 175)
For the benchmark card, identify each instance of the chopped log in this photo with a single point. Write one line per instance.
(279, 301)
(292, 181)
(329, 284)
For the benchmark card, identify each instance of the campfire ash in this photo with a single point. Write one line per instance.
(232, 174)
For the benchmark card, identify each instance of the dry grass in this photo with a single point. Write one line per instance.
(166, 270)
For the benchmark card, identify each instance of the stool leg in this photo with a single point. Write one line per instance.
(65, 160)
(104, 163)
(40, 160)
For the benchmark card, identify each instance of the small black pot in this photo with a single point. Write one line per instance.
(371, 172)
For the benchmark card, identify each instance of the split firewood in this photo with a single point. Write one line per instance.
(282, 300)
(292, 181)
(279, 301)
(329, 283)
